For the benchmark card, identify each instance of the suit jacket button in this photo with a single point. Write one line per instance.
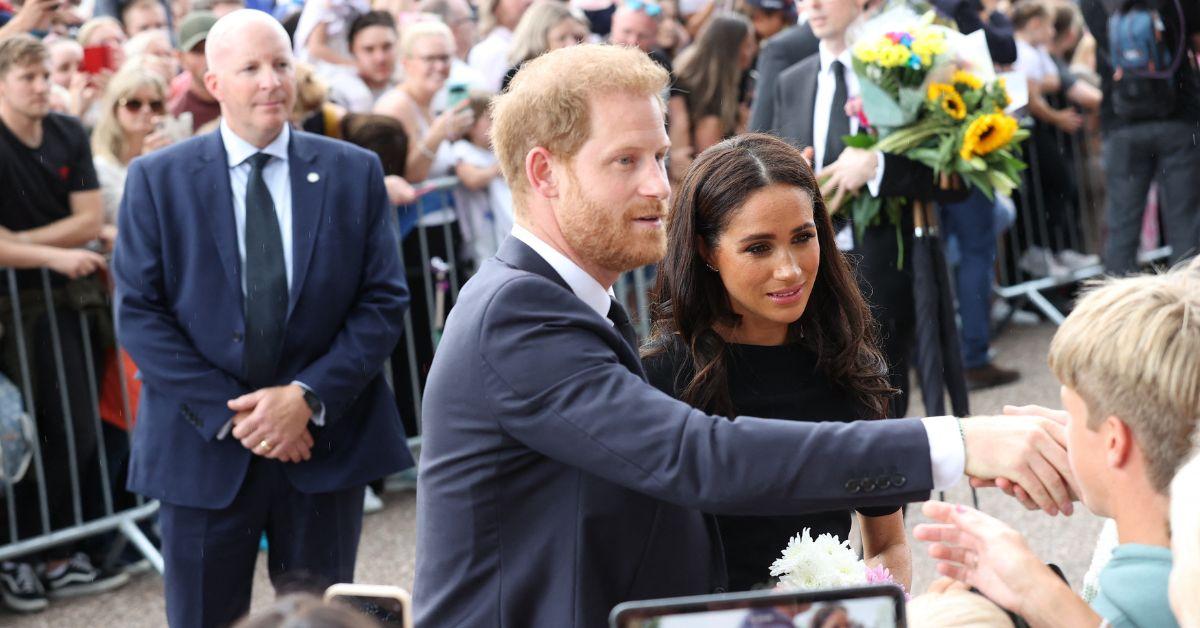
(237, 336)
(883, 482)
(898, 480)
(852, 486)
(868, 485)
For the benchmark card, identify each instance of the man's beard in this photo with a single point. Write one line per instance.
(611, 240)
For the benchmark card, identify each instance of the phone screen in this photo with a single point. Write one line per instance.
(456, 94)
(386, 610)
(96, 59)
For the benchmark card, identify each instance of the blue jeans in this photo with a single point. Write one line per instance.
(969, 229)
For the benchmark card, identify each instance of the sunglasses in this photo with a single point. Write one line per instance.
(650, 8)
(134, 105)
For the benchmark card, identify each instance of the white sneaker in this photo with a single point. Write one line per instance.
(1075, 260)
(371, 502)
(1039, 262)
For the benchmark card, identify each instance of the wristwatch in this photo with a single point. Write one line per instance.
(313, 402)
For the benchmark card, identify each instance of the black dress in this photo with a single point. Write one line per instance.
(780, 382)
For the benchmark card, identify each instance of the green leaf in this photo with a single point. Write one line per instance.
(862, 139)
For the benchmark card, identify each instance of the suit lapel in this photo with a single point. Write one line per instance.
(517, 254)
(212, 188)
(308, 193)
(808, 103)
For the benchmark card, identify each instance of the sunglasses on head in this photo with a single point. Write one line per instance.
(134, 105)
(650, 8)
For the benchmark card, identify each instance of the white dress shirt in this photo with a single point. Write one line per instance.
(277, 176)
(947, 452)
(826, 86)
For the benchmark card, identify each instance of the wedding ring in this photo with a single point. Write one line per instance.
(264, 445)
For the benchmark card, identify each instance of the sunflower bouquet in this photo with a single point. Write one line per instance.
(927, 93)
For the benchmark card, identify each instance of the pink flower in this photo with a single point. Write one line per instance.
(854, 109)
(881, 575)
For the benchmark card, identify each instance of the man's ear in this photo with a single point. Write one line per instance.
(210, 83)
(539, 171)
(1118, 442)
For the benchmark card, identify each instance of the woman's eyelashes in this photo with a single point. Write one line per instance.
(764, 248)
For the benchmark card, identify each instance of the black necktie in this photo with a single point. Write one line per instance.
(620, 320)
(839, 122)
(266, 280)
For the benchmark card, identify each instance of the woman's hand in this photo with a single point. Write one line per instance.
(452, 124)
(398, 190)
(156, 140)
(85, 89)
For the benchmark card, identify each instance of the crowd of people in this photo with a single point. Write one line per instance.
(342, 151)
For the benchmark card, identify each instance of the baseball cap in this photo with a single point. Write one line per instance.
(194, 29)
(788, 6)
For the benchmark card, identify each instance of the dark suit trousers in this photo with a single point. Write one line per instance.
(210, 554)
(888, 289)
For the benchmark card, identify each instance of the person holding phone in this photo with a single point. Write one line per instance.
(133, 117)
(426, 51)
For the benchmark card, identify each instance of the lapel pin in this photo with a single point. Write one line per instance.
(313, 177)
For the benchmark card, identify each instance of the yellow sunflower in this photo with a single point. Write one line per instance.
(962, 77)
(987, 133)
(937, 90)
(951, 101)
(954, 106)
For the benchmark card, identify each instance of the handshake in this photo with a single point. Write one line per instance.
(1024, 453)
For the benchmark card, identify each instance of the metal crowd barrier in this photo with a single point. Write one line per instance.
(1075, 224)
(86, 444)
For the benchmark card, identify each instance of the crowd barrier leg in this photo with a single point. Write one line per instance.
(84, 504)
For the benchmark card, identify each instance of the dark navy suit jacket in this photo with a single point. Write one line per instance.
(556, 482)
(179, 308)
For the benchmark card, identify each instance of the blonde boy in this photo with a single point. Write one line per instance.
(1128, 358)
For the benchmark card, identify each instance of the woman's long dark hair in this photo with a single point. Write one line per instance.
(689, 300)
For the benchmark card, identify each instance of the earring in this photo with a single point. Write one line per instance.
(710, 267)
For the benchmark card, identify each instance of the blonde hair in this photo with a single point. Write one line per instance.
(533, 31)
(548, 103)
(21, 50)
(412, 33)
(956, 609)
(1131, 348)
(107, 138)
(311, 91)
(1185, 537)
(89, 28)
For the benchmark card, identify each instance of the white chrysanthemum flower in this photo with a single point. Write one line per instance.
(819, 563)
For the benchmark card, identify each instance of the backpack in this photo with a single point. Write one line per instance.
(16, 434)
(1144, 62)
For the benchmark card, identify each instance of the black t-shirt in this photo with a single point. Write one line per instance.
(1187, 106)
(774, 383)
(38, 182)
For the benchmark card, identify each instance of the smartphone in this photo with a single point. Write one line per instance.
(96, 59)
(457, 93)
(390, 606)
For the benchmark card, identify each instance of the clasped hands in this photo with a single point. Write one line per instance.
(273, 423)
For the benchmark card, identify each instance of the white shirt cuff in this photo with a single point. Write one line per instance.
(947, 452)
(318, 417)
(877, 180)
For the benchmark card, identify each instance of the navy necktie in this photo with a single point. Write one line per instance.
(839, 122)
(620, 320)
(266, 280)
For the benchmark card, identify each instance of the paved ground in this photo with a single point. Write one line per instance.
(386, 552)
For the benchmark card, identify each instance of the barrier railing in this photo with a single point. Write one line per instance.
(1059, 199)
(52, 341)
